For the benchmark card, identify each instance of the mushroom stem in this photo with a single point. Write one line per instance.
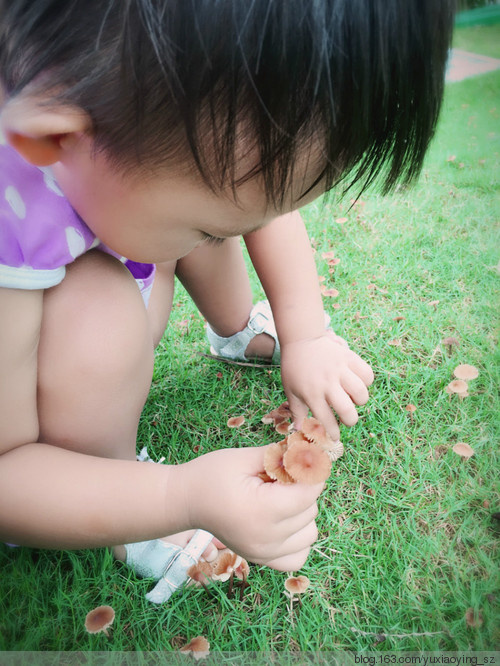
(231, 581)
(204, 585)
(243, 585)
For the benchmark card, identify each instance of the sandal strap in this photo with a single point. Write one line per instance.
(166, 562)
(234, 347)
(149, 559)
(175, 574)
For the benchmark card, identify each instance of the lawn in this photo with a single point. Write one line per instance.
(483, 39)
(406, 555)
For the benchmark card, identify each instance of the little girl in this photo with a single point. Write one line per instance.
(142, 139)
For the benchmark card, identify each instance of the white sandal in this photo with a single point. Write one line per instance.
(261, 321)
(166, 562)
(234, 348)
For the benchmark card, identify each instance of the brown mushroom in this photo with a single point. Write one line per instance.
(199, 647)
(278, 415)
(99, 619)
(463, 450)
(315, 432)
(297, 436)
(451, 342)
(411, 409)
(336, 450)
(274, 464)
(264, 476)
(465, 371)
(242, 570)
(225, 564)
(235, 421)
(330, 293)
(284, 410)
(297, 584)
(200, 573)
(272, 418)
(306, 462)
(457, 386)
(283, 428)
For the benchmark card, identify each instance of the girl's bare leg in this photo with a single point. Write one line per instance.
(95, 359)
(217, 280)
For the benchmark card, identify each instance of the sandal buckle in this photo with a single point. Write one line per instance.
(257, 323)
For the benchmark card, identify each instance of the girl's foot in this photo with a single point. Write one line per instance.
(149, 559)
(257, 340)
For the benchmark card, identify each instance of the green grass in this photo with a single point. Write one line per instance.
(483, 39)
(407, 538)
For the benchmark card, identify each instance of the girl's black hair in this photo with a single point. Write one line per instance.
(168, 80)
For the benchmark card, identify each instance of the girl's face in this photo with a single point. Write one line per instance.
(163, 217)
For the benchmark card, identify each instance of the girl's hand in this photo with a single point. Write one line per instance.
(267, 523)
(322, 374)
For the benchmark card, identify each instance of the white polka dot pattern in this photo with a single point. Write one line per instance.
(15, 201)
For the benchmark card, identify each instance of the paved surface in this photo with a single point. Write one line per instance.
(463, 64)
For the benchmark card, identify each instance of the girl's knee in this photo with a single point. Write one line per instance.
(96, 352)
(96, 317)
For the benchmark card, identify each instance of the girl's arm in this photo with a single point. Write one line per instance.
(55, 498)
(52, 497)
(318, 371)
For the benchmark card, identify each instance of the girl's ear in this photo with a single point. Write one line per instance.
(41, 133)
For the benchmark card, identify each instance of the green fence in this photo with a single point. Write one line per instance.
(479, 16)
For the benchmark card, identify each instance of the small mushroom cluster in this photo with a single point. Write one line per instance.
(225, 567)
(279, 418)
(462, 373)
(304, 456)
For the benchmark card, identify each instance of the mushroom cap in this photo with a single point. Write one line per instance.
(306, 462)
(198, 646)
(297, 584)
(336, 450)
(411, 408)
(296, 437)
(99, 619)
(226, 563)
(274, 464)
(451, 341)
(332, 293)
(457, 386)
(242, 570)
(278, 415)
(465, 371)
(315, 432)
(235, 421)
(264, 476)
(463, 450)
(200, 572)
(273, 417)
(284, 410)
(283, 428)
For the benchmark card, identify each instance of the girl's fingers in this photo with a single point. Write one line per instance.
(292, 504)
(292, 562)
(362, 369)
(294, 548)
(299, 410)
(323, 412)
(355, 387)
